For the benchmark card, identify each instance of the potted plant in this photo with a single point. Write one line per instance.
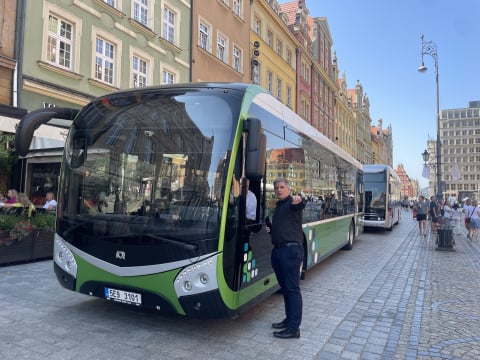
(7, 222)
(44, 222)
(16, 238)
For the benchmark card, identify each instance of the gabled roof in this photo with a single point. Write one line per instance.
(290, 9)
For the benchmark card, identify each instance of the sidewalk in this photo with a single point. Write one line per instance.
(423, 305)
(392, 297)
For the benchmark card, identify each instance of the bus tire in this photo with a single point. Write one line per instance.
(390, 228)
(351, 237)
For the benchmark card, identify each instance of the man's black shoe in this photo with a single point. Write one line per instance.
(280, 325)
(285, 334)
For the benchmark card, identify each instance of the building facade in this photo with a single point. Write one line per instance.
(91, 47)
(361, 112)
(10, 113)
(73, 51)
(409, 186)
(382, 144)
(299, 25)
(220, 41)
(460, 152)
(324, 87)
(273, 48)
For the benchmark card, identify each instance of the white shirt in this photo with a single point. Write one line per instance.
(50, 202)
(251, 206)
(447, 211)
(469, 210)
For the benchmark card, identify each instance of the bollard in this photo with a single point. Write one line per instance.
(445, 239)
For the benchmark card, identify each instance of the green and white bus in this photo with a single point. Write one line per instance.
(152, 195)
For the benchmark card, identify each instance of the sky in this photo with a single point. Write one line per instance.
(378, 42)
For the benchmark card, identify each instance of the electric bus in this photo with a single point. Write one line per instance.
(152, 195)
(382, 196)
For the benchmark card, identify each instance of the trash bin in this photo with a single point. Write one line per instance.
(445, 239)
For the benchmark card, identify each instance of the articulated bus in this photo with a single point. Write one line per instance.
(382, 196)
(152, 195)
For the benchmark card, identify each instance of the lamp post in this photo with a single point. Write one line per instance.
(430, 48)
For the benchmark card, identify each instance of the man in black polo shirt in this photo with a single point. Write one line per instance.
(287, 255)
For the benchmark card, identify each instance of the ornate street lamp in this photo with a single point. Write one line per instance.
(425, 156)
(430, 48)
(430, 165)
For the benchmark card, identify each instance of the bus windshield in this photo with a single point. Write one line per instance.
(147, 170)
(375, 190)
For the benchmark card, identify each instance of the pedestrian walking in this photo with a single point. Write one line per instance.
(475, 221)
(434, 213)
(287, 256)
(447, 212)
(421, 209)
(468, 210)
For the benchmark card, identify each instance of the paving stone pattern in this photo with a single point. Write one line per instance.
(394, 296)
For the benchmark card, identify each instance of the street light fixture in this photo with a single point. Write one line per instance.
(430, 48)
(425, 156)
(427, 163)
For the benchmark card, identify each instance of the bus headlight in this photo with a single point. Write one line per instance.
(63, 257)
(197, 278)
(187, 285)
(203, 278)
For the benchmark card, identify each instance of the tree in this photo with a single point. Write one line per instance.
(7, 152)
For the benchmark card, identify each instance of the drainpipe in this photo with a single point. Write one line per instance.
(18, 53)
(192, 2)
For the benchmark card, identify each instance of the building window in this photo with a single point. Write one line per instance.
(169, 25)
(279, 47)
(140, 11)
(270, 38)
(237, 59)
(139, 71)
(288, 58)
(289, 97)
(305, 71)
(269, 81)
(112, 3)
(257, 26)
(104, 61)
(204, 37)
(168, 77)
(221, 48)
(305, 110)
(60, 42)
(279, 89)
(237, 7)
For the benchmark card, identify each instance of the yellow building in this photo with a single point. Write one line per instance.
(272, 50)
(345, 123)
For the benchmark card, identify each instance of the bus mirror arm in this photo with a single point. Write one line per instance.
(32, 121)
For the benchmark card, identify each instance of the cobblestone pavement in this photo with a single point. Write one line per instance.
(394, 296)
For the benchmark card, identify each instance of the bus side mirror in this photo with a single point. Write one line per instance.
(256, 149)
(32, 121)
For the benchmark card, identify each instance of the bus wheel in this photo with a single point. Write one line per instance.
(351, 237)
(391, 226)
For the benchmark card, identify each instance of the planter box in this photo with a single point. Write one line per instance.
(16, 251)
(43, 245)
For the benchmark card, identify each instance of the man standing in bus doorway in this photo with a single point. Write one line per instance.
(287, 256)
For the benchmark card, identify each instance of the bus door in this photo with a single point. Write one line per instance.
(255, 244)
(247, 247)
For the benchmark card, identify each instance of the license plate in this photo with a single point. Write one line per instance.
(126, 297)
